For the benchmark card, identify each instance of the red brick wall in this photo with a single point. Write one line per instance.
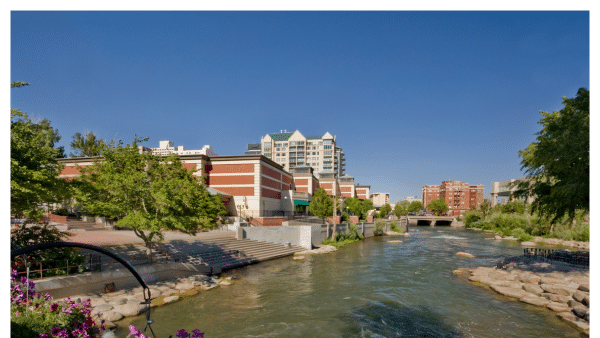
(230, 180)
(70, 170)
(270, 193)
(346, 194)
(229, 168)
(190, 166)
(271, 221)
(338, 218)
(326, 186)
(353, 219)
(301, 181)
(302, 189)
(270, 183)
(237, 191)
(285, 187)
(286, 179)
(346, 189)
(270, 172)
(369, 219)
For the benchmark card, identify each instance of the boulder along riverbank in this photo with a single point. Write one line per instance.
(556, 286)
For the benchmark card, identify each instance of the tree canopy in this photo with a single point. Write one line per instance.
(354, 205)
(485, 207)
(558, 162)
(385, 209)
(87, 145)
(33, 167)
(321, 204)
(415, 206)
(438, 206)
(147, 193)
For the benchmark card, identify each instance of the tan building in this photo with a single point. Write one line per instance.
(294, 149)
(347, 188)
(362, 191)
(380, 198)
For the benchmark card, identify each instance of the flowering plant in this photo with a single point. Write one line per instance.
(136, 333)
(37, 316)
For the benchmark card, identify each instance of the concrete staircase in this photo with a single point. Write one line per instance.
(223, 252)
(76, 224)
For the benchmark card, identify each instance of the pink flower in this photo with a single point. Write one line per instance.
(182, 333)
(17, 313)
(197, 334)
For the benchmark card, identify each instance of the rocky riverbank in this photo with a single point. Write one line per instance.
(114, 306)
(556, 286)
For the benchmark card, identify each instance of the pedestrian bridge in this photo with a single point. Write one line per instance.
(431, 220)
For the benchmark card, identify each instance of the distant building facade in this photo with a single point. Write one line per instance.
(380, 198)
(411, 199)
(166, 148)
(363, 191)
(506, 188)
(459, 196)
(294, 149)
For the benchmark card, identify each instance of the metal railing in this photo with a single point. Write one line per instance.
(579, 258)
(94, 264)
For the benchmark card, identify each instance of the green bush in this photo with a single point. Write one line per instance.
(61, 212)
(577, 232)
(521, 235)
(394, 226)
(471, 217)
(344, 217)
(349, 236)
(379, 226)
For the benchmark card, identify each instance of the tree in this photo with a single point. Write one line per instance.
(485, 207)
(401, 208)
(558, 162)
(415, 206)
(321, 204)
(438, 206)
(147, 193)
(514, 207)
(367, 205)
(385, 209)
(33, 167)
(354, 205)
(86, 145)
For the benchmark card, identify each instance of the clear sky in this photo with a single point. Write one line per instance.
(414, 98)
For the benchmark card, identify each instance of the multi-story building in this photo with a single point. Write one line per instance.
(347, 187)
(506, 188)
(166, 148)
(329, 182)
(362, 191)
(294, 149)
(380, 198)
(253, 149)
(459, 196)
(411, 199)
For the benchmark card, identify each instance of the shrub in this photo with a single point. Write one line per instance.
(379, 226)
(578, 232)
(471, 217)
(394, 227)
(521, 235)
(344, 217)
(55, 259)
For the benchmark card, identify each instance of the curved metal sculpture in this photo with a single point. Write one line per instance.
(48, 245)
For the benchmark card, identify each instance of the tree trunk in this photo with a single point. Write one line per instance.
(149, 252)
(334, 217)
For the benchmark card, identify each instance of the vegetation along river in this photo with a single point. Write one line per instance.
(368, 289)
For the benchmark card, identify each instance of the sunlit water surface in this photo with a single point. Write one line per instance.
(369, 289)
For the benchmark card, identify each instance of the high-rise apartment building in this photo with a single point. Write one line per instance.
(291, 150)
(459, 196)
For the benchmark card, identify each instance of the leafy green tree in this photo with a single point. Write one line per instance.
(321, 204)
(367, 205)
(33, 168)
(354, 205)
(385, 209)
(485, 207)
(147, 193)
(438, 206)
(87, 145)
(401, 208)
(558, 162)
(415, 206)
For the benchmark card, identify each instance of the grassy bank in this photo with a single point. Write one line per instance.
(344, 238)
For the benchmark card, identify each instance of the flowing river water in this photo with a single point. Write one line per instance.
(368, 289)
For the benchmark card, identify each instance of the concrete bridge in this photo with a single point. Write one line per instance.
(431, 220)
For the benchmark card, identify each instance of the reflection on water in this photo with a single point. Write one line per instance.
(368, 289)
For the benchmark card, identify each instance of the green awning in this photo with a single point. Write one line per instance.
(300, 202)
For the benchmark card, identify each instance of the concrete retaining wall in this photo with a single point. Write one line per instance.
(94, 282)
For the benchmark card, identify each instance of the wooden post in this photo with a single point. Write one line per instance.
(67, 267)
(41, 273)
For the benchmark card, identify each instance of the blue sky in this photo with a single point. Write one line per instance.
(414, 98)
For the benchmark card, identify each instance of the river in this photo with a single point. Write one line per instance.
(368, 289)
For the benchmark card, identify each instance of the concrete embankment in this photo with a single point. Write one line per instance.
(556, 286)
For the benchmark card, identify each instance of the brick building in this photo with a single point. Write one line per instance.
(251, 181)
(362, 191)
(459, 196)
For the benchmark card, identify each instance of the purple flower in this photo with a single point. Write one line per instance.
(53, 307)
(134, 330)
(17, 313)
(43, 335)
(47, 296)
(55, 331)
(67, 310)
(197, 334)
(182, 333)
